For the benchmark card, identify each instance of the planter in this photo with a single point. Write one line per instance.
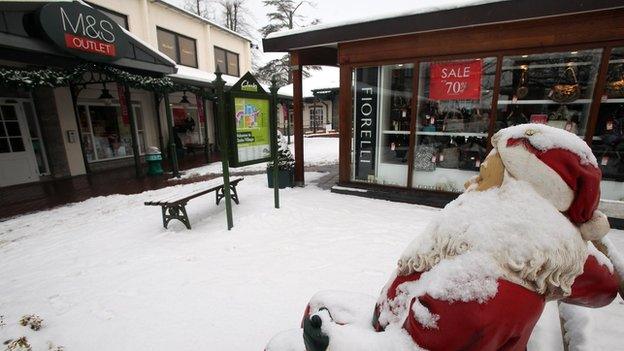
(284, 178)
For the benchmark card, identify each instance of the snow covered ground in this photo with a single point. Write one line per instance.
(317, 152)
(105, 275)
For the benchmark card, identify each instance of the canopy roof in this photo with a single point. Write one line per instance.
(426, 19)
(21, 41)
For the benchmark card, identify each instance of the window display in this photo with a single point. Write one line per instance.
(453, 118)
(382, 115)
(550, 88)
(186, 126)
(608, 140)
(105, 134)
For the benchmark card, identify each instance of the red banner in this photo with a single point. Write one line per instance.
(123, 106)
(285, 112)
(459, 80)
(200, 108)
(89, 45)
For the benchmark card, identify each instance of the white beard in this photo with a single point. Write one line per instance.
(533, 243)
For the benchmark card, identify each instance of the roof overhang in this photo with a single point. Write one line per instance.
(22, 41)
(453, 18)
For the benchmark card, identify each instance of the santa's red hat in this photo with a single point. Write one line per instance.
(561, 167)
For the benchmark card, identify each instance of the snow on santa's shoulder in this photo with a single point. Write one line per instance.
(545, 137)
(509, 232)
(600, 257)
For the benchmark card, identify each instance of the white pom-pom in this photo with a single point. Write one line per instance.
(595, 228)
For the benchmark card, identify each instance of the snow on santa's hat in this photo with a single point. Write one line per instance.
(561, 167)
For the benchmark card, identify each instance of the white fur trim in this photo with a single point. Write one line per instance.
(597, 227)
(543, 137)
(524, 165)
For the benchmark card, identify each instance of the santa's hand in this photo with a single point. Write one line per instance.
(313, 336)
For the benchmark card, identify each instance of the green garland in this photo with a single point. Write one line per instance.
(31, 78)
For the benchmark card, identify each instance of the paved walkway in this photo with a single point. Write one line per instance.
(33, 197)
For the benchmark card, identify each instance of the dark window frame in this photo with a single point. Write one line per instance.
(106, 11)
(177, 37)
(225, 51)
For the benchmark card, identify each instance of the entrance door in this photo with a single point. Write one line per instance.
(17, 158)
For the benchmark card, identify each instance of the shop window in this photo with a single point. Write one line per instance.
(226, 61)
(382, 112)
(106, 134)
(551, 88)
(11, 139)
(186, 125)
(119, 18)
(452, 123)
(317, 117)
(608, 141)
(181, 49)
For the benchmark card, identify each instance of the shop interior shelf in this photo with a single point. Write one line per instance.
(548, 65)
(451, 134)
(543, 102)
(400, 132)
(613, 101)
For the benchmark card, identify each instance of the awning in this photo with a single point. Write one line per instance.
(430, 18)
(22, 40)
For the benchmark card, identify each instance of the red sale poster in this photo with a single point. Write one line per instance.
(200, 108)
(458, 80)
(125, 116)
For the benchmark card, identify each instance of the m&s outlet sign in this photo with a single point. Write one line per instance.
(83, 31)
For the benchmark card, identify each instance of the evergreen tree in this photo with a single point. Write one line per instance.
(284, 14)
(285, 159)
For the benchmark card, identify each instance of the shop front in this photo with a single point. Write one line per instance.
(421, 95)
(79, 94)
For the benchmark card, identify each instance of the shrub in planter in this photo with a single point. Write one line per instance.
(285, 165)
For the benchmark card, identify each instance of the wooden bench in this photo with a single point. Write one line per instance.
(175, 207)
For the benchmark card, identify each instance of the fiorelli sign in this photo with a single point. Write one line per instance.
(83, 31)
(365, 121)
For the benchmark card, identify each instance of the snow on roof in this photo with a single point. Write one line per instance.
(418, 9)
(190, 73)
(189, 13)
(310, 84)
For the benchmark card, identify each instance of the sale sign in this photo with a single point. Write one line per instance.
(457, 80)
(123, 104)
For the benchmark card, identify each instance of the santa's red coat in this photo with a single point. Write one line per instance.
(504, 322)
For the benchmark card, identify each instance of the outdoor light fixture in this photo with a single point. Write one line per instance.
(185, 101)
(106, 96)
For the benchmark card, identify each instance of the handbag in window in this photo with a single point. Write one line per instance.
(424, 158)
(562, 118)
(523, 87)
(611, 165)
(449, 157)
(615, 88)
(516, 117)
(470, 156)
(564, 93)
(453, 122)
(477, 123)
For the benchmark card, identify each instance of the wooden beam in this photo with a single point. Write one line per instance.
(323, 56)
(344, 122)
(297, 78)
(573, 31)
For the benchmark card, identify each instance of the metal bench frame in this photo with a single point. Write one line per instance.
(176, 208)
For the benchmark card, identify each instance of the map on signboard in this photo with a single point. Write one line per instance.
(252, 129)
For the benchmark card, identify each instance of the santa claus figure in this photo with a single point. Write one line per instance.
(480, 274)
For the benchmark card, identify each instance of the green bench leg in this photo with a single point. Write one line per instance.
(175, 212)
(220, 194)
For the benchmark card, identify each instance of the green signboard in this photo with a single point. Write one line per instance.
(250, 127)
